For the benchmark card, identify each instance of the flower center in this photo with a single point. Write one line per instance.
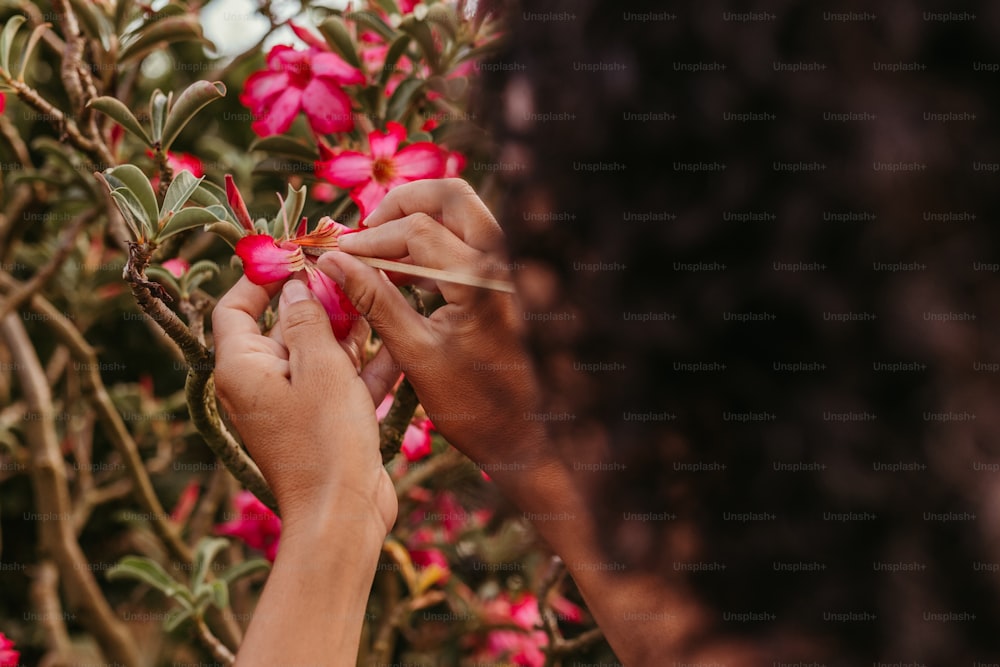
(299, 74)
(383, 170)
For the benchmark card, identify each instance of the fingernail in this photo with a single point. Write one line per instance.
(295, 291)
(329, 265)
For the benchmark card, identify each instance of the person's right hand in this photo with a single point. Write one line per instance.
(466, 361)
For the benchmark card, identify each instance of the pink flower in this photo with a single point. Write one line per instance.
(371, 176)
(309, 81)
(8, 656)
(520, 648)
(186, 502)
(257, 525)
(179, 162)
(3, 102)
(417, 438)
(176, 266)
(268, 260)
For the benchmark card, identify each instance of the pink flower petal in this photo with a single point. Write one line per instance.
(420, 160)
(283, 57)
(327, 107)
(416, 442)
(8, 656)
(237, 204)
(262, 88)
(310, 38)
(265, 262)
(384, 144)
(368, 196)
(255, 524)
(346, 170)
(454, 164)
(338, 307)
(330, 65)
(176, 266)
(279, 116)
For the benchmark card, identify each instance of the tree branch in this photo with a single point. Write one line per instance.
(48, 476)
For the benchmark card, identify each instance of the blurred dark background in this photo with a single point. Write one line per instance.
(831, 367)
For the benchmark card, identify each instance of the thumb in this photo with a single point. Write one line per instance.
(306, 331)
(404, 331)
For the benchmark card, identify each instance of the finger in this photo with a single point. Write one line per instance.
(425, 243)
(404, 331)
(380, 374)
(314, 355)
(451, 201)
(235, 315)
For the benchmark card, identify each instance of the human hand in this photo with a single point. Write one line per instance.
(303, 411)
(465, 361)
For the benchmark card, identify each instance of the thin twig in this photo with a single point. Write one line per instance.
(558, 646)
(218, 649)
(48, 476)
(52, 618)
(59, 255)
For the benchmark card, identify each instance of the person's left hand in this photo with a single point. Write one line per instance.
(302, 409)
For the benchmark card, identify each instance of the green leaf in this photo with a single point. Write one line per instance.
(402, 97)
(206, 551)
(389, 6)
(122, 115)
(444, 15)
(481, 51)
(216, 593)
(291, 210)
(147, 571)
(339, 38)
(149, 37)
(136, 181)
(164, 277)
(188, 218)
(36, 35)
(122, 11)
(180, 190)
(373, 21)
(199, 272)
(7, 39)
(94, 24)
(244, 569)
(230, 232)
(286, 146)
(174, 619)
(158, 103)
(190, 102)
(392, 56)
(208, 193)
(132, 211)
(421, 32)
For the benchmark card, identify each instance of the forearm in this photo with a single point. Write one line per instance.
(312, 608)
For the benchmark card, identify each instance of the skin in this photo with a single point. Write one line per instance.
(338, 509)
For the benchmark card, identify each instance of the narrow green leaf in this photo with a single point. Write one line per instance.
(444, 15)
(230, 232)
(158, 104)
(291, 210)
(175, 618)
(199, 272)
(373, 21)
(208, 193)
(421, 32)
(480, 52)
(136, 181)
(131, 215)
(94, 24)
(219, 593)
(402, 97)
(187, 218)
(122, 115)
(244, 569)
(392, 56)
(337, 35)
(164, 277)
(286, 146)
(7, 39)
(389, 6)
(171, 29)
(187, 104)
(145, 570)
(36, 35)
(180, 190)
(205, 553)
